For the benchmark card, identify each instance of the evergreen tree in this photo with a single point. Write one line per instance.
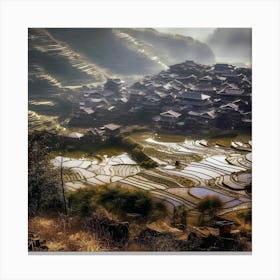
(44, 190)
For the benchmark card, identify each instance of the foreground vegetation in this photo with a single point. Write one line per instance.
(45, 190)
(118, 216)
(118, 200)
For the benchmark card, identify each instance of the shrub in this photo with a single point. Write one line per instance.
(149, 164)
(121, 200)
(82, 201)
(180, 216)
(210, 204)
(246, 216)
(117, 200)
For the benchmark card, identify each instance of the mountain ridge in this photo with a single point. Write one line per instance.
(66, 58)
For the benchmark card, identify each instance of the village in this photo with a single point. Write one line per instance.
(182, 136)
(187, 97)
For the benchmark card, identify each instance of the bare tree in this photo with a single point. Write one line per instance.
(62, 184)
(60, 146)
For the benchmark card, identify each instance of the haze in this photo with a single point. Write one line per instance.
(231, 45)
(200, 34)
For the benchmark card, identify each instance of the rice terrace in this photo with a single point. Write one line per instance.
(146, 150)
(224, 172)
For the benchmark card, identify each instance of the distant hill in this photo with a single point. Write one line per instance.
(232, 44)
(69, 57)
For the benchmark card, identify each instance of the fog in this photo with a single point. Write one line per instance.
(200, 34)
(69, 57)
(233, 45)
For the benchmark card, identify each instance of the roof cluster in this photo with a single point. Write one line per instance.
(186, 92)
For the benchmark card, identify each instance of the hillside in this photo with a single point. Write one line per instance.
(61, 58)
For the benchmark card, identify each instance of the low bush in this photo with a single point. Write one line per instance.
(82, 201)
(180, 216)
(117, 200)
(149, 163)
(210, 204)
(246, 216)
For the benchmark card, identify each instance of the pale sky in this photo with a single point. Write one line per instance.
(200, 34)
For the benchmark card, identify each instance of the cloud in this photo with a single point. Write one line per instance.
(232, 44)
(200, 34)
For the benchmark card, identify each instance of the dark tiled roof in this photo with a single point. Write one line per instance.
(195, 95)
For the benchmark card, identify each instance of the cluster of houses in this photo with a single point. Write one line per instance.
(96, 134)
(98, 105)
(186, 96)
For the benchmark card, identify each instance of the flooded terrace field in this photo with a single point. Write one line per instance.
(188, 170)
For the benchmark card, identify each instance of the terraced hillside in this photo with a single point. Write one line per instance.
(63, 60)
(202, 170)
(68, 58)
(95, 172)
(54, 64)
(42, 122)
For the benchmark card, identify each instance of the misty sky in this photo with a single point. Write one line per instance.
(228, 44)
(200, 34)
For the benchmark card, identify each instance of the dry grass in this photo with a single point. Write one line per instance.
(62, 234)
(233, 216)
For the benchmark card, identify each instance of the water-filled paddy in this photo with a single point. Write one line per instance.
(202, 192)
(202, 164)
